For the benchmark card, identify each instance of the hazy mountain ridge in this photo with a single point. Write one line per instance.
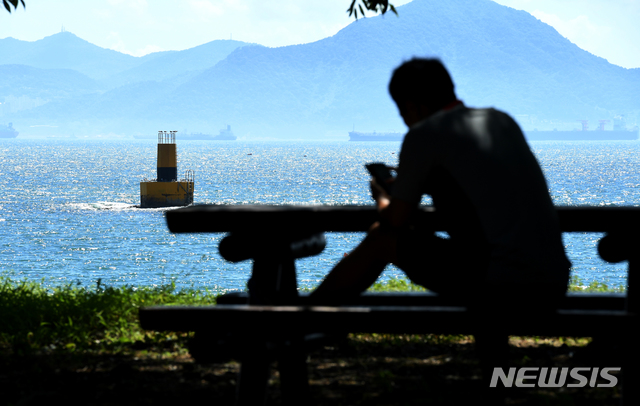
(498, 57)
(23, 80)
(65, 50)
(66, 92)
(177, 64)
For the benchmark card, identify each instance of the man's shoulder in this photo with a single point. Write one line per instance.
(460, 121)
(444, 117)
(464, 128)
(443, 120)
(485, 114)
(480, 111)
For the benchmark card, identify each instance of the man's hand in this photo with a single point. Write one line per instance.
(377, 192)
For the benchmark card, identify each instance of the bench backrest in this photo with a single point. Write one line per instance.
(619, 224)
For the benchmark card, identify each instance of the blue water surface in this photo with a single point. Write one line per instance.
(68, 215)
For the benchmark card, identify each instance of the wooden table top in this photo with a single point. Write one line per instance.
(237, 218)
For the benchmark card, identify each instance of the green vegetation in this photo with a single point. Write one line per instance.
(578, 285)
(71, 318)
(87, 344)
(105, 319)
(396, 285)
(575, 285)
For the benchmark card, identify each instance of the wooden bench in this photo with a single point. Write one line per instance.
(272, 322)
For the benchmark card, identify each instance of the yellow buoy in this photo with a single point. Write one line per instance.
(166, 190)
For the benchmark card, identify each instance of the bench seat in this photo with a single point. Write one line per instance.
(577, 300)
(274, 322)
(259, 321)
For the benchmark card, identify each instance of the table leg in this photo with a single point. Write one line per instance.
(294, 380)
(631, 366)
(251, 388)
(492, 348)
(273, 282)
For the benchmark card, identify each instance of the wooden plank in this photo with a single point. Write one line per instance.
(283, 320)
(582, 301)
(239, 218)
(591, 218)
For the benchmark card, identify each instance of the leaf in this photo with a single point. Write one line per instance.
(384, 4)
(350, 9)
(378, 6)
(7, 4)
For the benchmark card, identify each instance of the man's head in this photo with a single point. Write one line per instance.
(420, 87)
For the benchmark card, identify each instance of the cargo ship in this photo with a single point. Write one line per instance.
(225, 135)
(374, 136)
(619, 133)
(7, 131)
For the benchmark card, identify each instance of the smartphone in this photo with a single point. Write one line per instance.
(381, 173)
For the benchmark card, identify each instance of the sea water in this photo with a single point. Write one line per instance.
(68, 215)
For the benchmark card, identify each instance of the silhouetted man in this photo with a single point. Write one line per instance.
(485, 183)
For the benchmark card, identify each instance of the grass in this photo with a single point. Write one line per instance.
(77, 343)
(577, 285)
(396, 285)
(72, 318)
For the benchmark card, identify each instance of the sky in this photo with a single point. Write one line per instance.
(607, 28)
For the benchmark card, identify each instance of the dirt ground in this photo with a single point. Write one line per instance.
(362, 370)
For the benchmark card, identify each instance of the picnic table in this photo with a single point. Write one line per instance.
(272, 321)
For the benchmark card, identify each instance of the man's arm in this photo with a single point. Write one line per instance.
(394, 212)
(361, 268)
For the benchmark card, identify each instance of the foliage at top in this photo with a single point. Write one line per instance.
(377, 6)
(13, 2)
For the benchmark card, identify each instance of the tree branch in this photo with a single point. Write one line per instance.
(7, 4)
(377, 6)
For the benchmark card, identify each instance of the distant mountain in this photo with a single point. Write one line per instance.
(177, 65)
(49, 84)
(498, 57)
(64, 50)
(70, 78)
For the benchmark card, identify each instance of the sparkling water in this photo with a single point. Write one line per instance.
(68, 215)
